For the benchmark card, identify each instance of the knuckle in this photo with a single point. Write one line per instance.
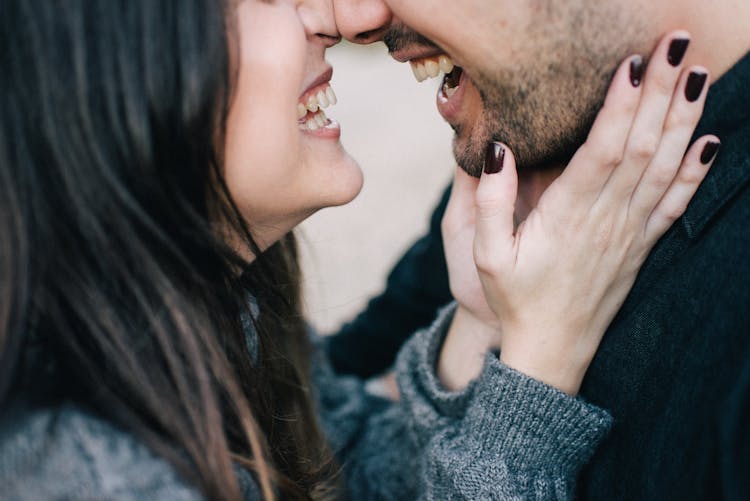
(662, 177)
(664, 82)
(486, 196)
(448, 223)
(674, 211)
(489, 204)
(446, 226)
(622, 109)
(691, 177)
(449, 219)
(483, 259)
(606, 152)
(681, 117)
(602, 237)
(644, 146)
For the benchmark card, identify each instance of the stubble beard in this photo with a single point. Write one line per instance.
(544, 106)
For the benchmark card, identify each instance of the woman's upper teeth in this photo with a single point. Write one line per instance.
(431, 67)
(323, 98)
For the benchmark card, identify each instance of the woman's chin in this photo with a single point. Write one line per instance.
(339, 176)
(344, 181)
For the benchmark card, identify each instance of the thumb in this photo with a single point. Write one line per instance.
(461, 206)
(495, 202)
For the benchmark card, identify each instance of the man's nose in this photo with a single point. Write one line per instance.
(319, 22)
(362, 21)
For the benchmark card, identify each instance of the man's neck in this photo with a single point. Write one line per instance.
(720, 38)
(531, 186)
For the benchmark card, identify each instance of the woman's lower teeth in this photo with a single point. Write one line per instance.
(314, 122)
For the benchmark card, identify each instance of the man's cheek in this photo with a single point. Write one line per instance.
(428, 17)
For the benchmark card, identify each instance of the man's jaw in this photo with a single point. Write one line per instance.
(428, 61)
(452, 100)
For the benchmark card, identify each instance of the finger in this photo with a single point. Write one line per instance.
(684, 114)
(463, 189)
(592, 165)
(659, 85)
(460, 208)
(495, 204)
(673, 204)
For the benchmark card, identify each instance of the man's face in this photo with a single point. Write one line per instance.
(532, 73)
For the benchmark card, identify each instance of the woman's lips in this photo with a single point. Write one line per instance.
(324, 127)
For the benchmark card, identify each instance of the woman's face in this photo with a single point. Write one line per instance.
(283, 162)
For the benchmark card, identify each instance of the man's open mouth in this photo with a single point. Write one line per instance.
(449, 97)
(433, 67)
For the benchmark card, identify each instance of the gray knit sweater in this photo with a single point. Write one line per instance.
(506, 436)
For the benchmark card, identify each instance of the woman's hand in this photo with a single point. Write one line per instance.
(552, 286)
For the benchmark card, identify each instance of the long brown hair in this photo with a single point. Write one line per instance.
(115, 290)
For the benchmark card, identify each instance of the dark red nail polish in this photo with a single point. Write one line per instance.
(694, 86)
(494, 158)
(709, 152)
(636, 71)
(677, 49)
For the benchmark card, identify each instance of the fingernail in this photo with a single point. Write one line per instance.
(494, 158)
(677, 49)
(636, 71)
(709, 152)
(694, 86)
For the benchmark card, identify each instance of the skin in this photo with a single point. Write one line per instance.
(540, 59)
(277, 174)
(538, 72)
(613, 195)
(547, 60)
(522, 57)
(584, 241)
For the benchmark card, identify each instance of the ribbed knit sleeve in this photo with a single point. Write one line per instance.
(505, 436)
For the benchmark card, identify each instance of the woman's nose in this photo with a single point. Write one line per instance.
(362, 21)
(319, 21)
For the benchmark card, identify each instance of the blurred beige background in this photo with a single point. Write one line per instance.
(390, 125)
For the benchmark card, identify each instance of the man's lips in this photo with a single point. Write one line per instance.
(427, 62)
(416, 52)
(450, 95)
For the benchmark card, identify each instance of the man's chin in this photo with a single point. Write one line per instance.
(469, 154)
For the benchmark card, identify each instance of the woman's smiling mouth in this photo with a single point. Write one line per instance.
(311, 118)
(310, 114)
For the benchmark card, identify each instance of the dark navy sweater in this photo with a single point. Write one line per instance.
(674, 366)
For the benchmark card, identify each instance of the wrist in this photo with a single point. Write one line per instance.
(482, 324)
(558, 371)
(465, 346)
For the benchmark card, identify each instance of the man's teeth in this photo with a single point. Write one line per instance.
(446, 64)
(323, 99)
(431, 67)
(419, 72)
